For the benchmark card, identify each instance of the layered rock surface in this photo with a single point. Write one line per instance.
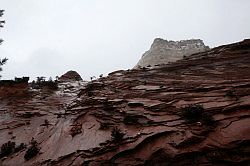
(163, 51)
(73, 125)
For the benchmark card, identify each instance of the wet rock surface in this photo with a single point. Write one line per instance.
(195, 111)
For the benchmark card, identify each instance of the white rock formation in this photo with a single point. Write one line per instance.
(163, 51)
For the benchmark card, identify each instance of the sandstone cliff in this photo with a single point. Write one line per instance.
(195, 111)
(163, 51)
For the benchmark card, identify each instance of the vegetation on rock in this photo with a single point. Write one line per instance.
(41, 82)
(195, 113)
(32, 151)
(117, 135)
(7, 149)
(10, 148)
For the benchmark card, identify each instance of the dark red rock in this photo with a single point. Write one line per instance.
(17, 87)
(70, 76)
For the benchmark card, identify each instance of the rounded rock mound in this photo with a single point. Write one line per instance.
(70, 76)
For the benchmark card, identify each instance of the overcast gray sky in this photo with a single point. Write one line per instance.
(50, 37)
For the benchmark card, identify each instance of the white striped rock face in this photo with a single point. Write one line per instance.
(163, 51)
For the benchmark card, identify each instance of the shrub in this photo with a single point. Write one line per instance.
(32, 151)
(10, 148)
(117, 135)
(7, 149)
(195, 113)
(40, 83)
(192, 113)
(40, 79)
(22, 80)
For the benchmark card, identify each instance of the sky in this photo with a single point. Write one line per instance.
(93, 37)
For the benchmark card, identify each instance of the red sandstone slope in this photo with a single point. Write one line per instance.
(73, 126)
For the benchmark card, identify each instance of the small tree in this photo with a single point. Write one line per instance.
(40, 79)
(1, 22)
(2, 60)
(117, 135)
